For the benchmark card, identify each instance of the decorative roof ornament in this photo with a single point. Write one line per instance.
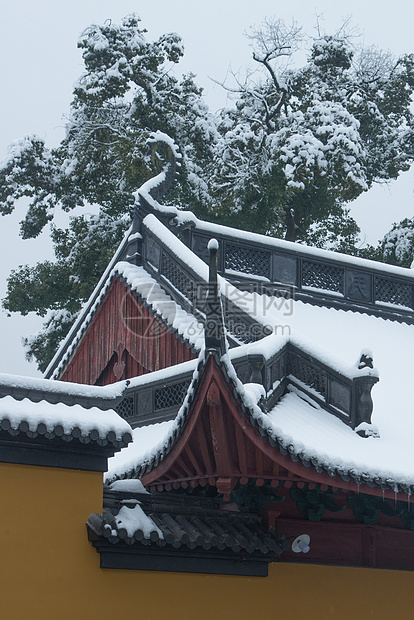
(166, 159)
(214, 327)
(366, 360)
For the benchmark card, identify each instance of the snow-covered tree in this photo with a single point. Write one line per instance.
(127, 91)
(397, 246)
(296, 147)
(301, 143)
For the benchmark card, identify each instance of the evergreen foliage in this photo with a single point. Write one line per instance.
(301, 143)
(397, 246)
(296, 147)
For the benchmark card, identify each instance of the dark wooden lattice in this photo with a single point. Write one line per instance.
(176, 276)
(309, 374)
(323, 276)
(247, 260)
(126, 407)
(240, 324)
(170, 396)
(392, 292)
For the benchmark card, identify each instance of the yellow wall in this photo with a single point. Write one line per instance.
(49, 570)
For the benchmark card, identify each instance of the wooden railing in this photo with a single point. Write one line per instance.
(189, 290)
(346, 397)
(308, 274)
(156, 400)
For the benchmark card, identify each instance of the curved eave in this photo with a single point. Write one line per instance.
(162, 471)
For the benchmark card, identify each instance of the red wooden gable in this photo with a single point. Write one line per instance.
(218, 445)
(124, 339)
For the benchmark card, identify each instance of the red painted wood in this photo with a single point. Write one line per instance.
(215, 439)
(346, 544)
(259, 458)
(123, 340)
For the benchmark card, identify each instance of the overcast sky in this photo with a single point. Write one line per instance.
(39, 63)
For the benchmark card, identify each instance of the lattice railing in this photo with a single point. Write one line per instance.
(347, 398)
(247, 260)
(188, 289)
(336, 280)
(177, 276)
(170, 395)
(126, 408)
(322, 276)
(240, 325)
(393, 292)
(154, 401)
(309, 373)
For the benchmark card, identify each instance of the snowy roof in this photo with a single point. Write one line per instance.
(61, 391)
(148, 289)
(335, 334)
(196, 529)
(317, 434)
(24, 417)
(304, 430)
(38, 408)
(183, 219)
(337, 337)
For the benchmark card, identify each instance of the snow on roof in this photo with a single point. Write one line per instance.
(164, 374)
(311, 431)
(179, 249)
(62, 420)
(161, 303)
(274, 342)
(192, 261)
(334, 336)
(63, 388)
(134, 519)
(186, 218)
(146, 441)
(316, 432)
(315, 436)
(128, 486)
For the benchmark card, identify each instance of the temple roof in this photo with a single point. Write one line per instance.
(309, 331)
(136, 526)
(60, 424)
(296, 428)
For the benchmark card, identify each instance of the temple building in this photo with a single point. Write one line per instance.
(247, 401)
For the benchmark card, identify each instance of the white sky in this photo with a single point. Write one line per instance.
(39, 63)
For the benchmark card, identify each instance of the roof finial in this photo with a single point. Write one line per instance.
(166, 159)
(214, 327)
